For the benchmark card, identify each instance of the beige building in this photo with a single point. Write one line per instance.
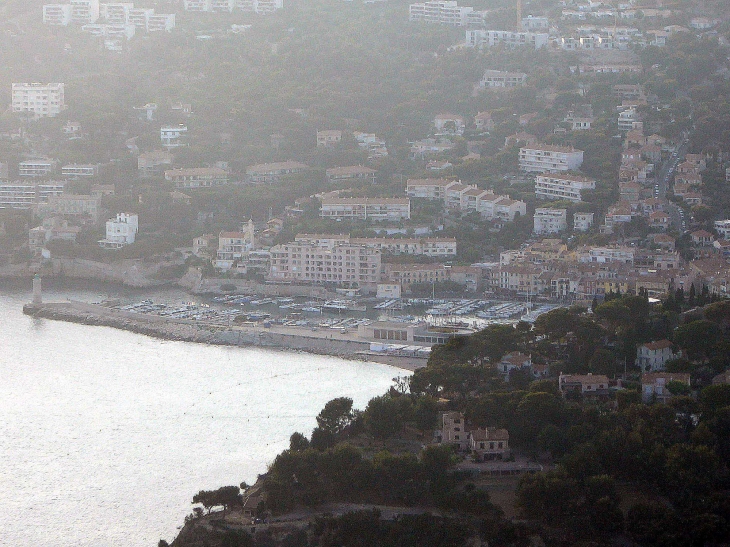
(273, 172)
(153, 164)
(342, 264)
(562, 186)
(542, 158)
(378, 209)
(38, 100)
(199, 177)
(352, 173)
(72, 205)
(410, 274)
(329, 138)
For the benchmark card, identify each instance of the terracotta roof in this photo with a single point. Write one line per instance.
(659, 344)
(652, 377)
(490, 434)
(354, 169)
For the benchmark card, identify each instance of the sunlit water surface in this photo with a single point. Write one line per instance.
(106, 435)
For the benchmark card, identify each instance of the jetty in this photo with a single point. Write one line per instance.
(341, 344)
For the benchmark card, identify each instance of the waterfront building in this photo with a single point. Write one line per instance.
(232, 246)
(341, 264)
(120, 231)
(38, 100)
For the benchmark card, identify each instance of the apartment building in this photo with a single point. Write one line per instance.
(542, 158)
(262, 7)
(38, 100)
(489, 38)
(139, 17)
(26, 195)
(550, 221)
(428, 188)
(85, 12)
(606, 255)
(329, 138)
(173, 136)
(273, 172)
(430, 246)
(57, 14)
(352, 173)
(562, 186)
(153, 164)
(582, 222)
(653, 356)
(197, 5)
(160, 22)
(531, 23)
(440, 12)
(115, 13)
(36, 168)
(79, 171)
(198, 177)
(120, 231)
(73, 205)
(222, 6)
(378, 209)
(342, 264)
(407, 275)
(232, 246)
(500, 79)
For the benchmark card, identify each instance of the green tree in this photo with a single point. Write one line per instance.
(336, 415)
(298, 442)
(382, 417)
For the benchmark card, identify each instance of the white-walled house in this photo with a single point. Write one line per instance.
(120, 231)
(653, 356)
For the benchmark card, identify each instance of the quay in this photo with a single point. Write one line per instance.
(322, 342)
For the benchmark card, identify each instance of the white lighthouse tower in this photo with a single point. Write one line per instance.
(37, 294)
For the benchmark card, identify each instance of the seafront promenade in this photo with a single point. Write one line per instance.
(321, 342)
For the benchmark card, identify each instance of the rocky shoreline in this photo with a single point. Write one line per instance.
(203, 333)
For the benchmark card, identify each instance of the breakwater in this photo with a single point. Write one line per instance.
(275, 337)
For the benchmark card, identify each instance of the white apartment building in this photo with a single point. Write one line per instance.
(139, 17)
(115, 13)
(582, 222)
(40, 100)
(628, 119)
(197, 5)
(440, 12)
(36, 168)
(173, 136)
(542, 158)
(222, 5)
(428, 188)
(343, 264)
(261, 7)
(198, 177)
(489, 38)
(430, 246)
(57, 14)
(75, 205)
(378, 209)
(550, 221)
(607, 255)
(120, 231)
(723, 228)
(498, 79)
(535, 23)
(78, 171)
(25, 195)
(161, 22)
(85, 12)
(562, 186)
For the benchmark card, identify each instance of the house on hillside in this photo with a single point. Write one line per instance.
(654, 385)
(585, 384)
(653, 356)
(453, 430)
(514, 361)
(489, 444)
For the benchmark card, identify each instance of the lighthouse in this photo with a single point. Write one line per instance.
(37, 295)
